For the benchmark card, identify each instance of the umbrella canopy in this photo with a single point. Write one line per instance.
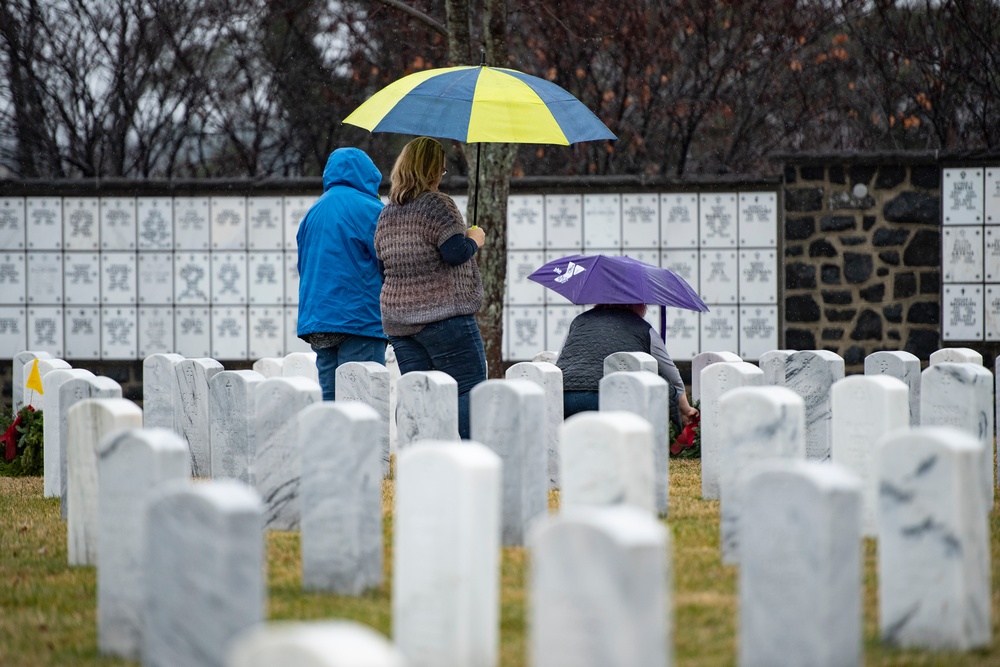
(592, 279)
(480, 104)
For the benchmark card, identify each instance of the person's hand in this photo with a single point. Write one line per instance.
(687, 417)
(476, 234)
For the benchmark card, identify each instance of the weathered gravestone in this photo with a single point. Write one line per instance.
(192, 409)
(130, 465)
(367, 382)
(270, 367)
(904, 367)
(341, 490)
(71, 392)
(773, 364)
(547, 356)
(800, 566)
(505, 416)
(159, 390)
(961, 395)
(704, 360)
(762, 423)
(716, 380)
(866, 407)
(933, 541)
(548, 376)
(52, 427)
(600, 591)
(955, 355)
(313, 644)
(629, 361)
(446, 569)
(45, 366)
(89, 422)
(426, 407)
(647, 395)
(203, 574)
(231, 423)
(811, 374)
(607, 459)
(277, 460)
(18, 378)
(300, 364)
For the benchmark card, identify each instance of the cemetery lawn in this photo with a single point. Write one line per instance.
(48, 611)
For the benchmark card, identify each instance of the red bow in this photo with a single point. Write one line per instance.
(686, 438)
(9, 438)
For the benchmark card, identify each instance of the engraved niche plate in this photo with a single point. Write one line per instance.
(43, 222)
(267, 331)
(682, 333)
(81, 278)
(191, 227)
(520, 290)
(192, 332)
(557, 321)
(758, 276)
(525, 222)
(119, 333)
(962, 196)
(991, 254)
(292, 342)
(156, 278)
(82, 327)
(265, 218)
(13, 331)
(992, 196)
(291, 278)
(155, 223)
(527, 332)
(12, 224)
(45, 329)
(295, 209)
(229, 223)
(962, 254)
(266, 275)
(192, 272)
(758, 219)
(962, 316)
(563, 230)
(992, 307)
(717, 220)
(229, 278)
(602, 221)
(684, 263)
(718, 280)
(81, 223)
(229, 332)
(156, 330)
(118, 278)
(118, 223)
(720, 329)
(758, 331)
(640, 221)
(13, 279)
(679, 221)
(45, 278)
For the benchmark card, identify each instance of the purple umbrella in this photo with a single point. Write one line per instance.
(592, 279)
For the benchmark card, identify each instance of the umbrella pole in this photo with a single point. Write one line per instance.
(663, 323)
(475, 198)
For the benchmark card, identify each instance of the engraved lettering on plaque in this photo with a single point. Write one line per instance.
(81, 325)
(9, 273)
(45, 331)
(119, 329)
(192, 326)
(81, 223)
(9, 325)
(192, 276)
(154, 229)
(228, 275)
(266, 327)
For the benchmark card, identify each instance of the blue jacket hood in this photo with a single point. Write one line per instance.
(352, 167)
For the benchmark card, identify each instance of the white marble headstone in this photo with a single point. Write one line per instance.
(192, 410)
(933, 541)
(702, 361)
(159, 390)
(129, 464)
(800, 579)
(231, 423)
(773, 364)
(629, 361)
(647, 395)
(341, 487)
(600, 590)
(204, 571)
(904, 367)
(446, 574)
(426, 407)
(300, 364)
(53, 433)
(368, 382)
(607, 459)
(336, 643)
(505, 415)
(45, 366)
(548, 356)
(811, 374)
(716, 380)
(548, 376)
(18, 366)
(270, 367)
(866, 407)
(955, 355)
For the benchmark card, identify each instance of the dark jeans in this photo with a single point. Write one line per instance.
(453, 346)
(355, 348)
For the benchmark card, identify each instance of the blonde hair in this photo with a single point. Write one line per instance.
(419, 164)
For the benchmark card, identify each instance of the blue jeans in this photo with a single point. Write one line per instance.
(355, 348)
(453, 346)
(579, 401)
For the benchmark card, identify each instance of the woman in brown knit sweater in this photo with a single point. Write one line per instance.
(431, 287)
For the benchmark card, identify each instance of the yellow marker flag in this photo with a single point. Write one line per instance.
(34, 379)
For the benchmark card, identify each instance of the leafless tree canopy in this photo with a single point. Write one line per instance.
(174, 88)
